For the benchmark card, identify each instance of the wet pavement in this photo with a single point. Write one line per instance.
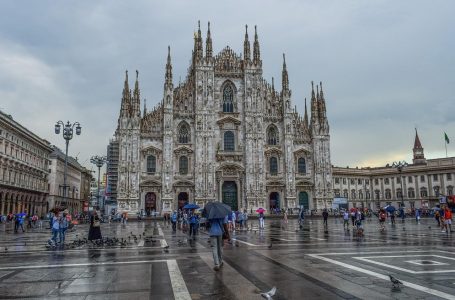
(307, 263)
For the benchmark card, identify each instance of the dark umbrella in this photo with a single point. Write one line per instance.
(390, 208)
(191, 206)
(216, 210)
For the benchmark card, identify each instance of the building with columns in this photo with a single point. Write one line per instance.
(223, 134)
(417, 185)
(24, 164)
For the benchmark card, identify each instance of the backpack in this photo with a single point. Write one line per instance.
(382, 216)
(174, 218)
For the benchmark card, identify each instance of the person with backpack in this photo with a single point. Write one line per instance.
(55, 229)
(174, 221)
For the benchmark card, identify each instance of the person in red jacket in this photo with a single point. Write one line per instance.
(448, 219)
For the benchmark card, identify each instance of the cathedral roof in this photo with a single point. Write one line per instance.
(417, 144)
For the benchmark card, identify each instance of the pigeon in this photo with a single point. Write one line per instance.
(166, 247)
(429, 227)
(396, 283)
(270, 246)
(269, 294)
(6, 249)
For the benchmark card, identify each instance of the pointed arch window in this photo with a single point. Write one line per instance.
(228, 99)
(229, 141)
(151, 164)
(272, 136)
(273, 165)
(183, 165)
(302, 165)
(184, 134)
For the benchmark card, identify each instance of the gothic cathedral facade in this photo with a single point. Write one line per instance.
(224, 134)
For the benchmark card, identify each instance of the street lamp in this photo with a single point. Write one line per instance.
(400, 165)
(99, 161)
(67, 135)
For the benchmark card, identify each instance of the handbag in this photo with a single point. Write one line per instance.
(96, 223)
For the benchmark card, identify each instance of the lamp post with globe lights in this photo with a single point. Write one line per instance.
(67, 134)
(99, 161)
(400, 165)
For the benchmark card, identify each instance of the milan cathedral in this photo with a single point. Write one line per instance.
(223, 134)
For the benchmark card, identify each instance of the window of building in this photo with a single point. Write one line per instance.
(399, 193)
(449, 176)
(367, 195)
(422, 178)
(450, 190)
(345, 194)
(344, 180)
(272, 135)
(376, 194)
(409, 179)
(228, 99)
(435, 177)
(151, 164)
(411, 193)
(352, 181)
(367, 181)
(273, 165)
(183, 165)
(360, 194)
(388, 194)
(398, 179)
(359, 181)
(302, 165)
(337, 180)
(184, 133)
(229, 141)
(386, 181)
(337, 193)
(423, 192)
(353, 194)
(376, 181)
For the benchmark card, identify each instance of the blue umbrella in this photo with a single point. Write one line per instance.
(390, 208)
(216, 210)
(191, 206)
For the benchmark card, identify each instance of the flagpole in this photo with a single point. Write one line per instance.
(446, 147)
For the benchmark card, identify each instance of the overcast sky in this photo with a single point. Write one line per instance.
(386, 66)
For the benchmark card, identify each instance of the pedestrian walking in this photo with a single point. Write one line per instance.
(217, 229)
(63, 227)
(174, 220)
(261, 220)
(448, 219)
(55, 229)
(392, 217)
(19, 222)
(382, 218)
(437, 216)
(346, 220)
(301, 218)
(325, 216)
(417, 215)
(94, 232)
(285, 219)
(193, 221)
(353, 211)
(245, 219)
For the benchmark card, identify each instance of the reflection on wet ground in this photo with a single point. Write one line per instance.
(312, 262)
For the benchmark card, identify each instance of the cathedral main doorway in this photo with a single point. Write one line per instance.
(274, 201)
(229, 194)
(150, 203)
(182, 200)
(304, 203)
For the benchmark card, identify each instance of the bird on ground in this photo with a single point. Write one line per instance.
(396, 283)
(166, 247)
(6, 249)
(269, 294)
(429, 227)
(270, 246)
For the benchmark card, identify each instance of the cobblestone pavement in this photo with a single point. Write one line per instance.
(307, 263)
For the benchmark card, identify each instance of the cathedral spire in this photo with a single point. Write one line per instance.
(322, 102)
(198, 42)
(168, 77)
(125, 106)
(305, 116)
(273, 86)
(145, 108)
(256, 51)
(208, 43)
(285, 78)
(314, 108)
(246, 46)
(136, 101)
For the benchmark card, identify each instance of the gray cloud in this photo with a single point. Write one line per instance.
(387, 66)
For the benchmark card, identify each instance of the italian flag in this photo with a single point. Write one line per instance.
(446, 138)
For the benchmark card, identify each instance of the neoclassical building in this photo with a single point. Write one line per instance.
(223, 134)
(24, 163)
(420, 184)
